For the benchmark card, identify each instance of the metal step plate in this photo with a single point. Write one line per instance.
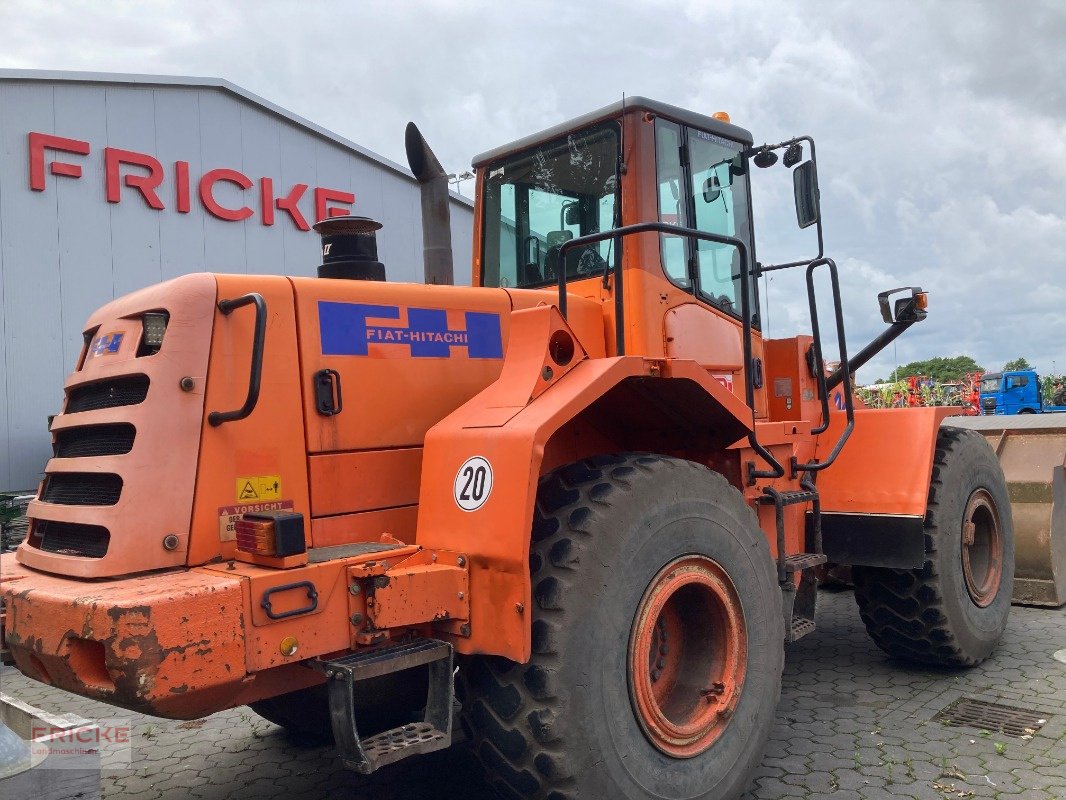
(432, 732)
(374, 661)
(801, 561)
(800, 628)
(409, 740)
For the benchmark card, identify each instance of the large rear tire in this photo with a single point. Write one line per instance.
(658, 641)
(953, 611)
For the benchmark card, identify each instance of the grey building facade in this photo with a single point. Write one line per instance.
(109, 183)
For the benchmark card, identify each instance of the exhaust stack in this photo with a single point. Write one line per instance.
(436, 213)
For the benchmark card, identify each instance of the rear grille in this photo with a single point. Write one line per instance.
(125, 391)
(94, 440)
(70, 538)
(82, 489)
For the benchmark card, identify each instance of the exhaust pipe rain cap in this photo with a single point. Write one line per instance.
(350, 249)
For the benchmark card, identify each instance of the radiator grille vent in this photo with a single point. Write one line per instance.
(94, 440)
(82, 489)
(128, 390)
(70, 538)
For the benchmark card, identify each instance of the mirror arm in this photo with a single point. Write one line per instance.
(877, 344)
(818, 225)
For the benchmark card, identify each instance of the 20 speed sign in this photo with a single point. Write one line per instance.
(473, 483)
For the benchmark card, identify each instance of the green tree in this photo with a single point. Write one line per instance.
(1047, 386)
(939, 368)
(1017, 364)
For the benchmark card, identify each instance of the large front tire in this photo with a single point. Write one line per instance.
(657, 641)
(953, 610)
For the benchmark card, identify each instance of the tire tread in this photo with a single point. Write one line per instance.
(568, 503)
(903, 609)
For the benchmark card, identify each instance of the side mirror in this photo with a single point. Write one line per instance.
(805, 187)
(906, 309)
(712, 189)
(571, 214)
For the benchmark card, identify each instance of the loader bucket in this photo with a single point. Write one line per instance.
(1032, 452)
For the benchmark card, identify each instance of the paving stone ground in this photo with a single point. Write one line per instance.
(851, 725)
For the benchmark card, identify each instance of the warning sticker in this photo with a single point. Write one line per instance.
(228, 516)
(726, 380)
(258, 487)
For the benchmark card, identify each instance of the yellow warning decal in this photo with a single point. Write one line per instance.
(258, 487)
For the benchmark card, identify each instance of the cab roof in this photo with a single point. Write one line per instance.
(614, 111)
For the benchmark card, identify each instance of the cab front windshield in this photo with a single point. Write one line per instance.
(538, 200)
(990, 385)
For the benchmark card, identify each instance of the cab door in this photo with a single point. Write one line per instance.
(703, 184)
(1017, 395)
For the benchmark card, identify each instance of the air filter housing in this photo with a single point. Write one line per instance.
(350, 249)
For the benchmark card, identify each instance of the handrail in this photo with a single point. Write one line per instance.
(776, 470)
(255, 373)
(823, 389)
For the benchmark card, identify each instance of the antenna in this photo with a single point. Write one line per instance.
(618, 206)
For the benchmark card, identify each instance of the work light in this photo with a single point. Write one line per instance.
(154, 325)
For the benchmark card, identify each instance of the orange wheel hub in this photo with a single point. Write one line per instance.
(687, 656)
(982, 549)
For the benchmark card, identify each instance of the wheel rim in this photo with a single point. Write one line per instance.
(982, 548)
(687, 656)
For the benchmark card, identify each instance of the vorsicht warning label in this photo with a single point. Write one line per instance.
(228, 516)
(257, 488)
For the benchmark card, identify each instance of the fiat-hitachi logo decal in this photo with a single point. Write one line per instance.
(360, 329)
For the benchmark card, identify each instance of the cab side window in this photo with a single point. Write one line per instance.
(720, 205)
(671, 200)
(703, 184)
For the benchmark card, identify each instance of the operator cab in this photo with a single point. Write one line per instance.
(632, 162)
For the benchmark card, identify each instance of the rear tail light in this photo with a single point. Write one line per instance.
(271, 534)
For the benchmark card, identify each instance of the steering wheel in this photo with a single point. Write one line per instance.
(590, 262)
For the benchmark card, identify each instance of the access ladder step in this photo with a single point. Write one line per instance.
(801, 561)
(791, 498)
(432, 732)
(373, 662)
(407, 740)
(800, 627)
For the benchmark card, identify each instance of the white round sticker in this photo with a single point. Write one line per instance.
(473, 483)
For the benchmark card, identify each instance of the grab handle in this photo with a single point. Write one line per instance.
(216, 418)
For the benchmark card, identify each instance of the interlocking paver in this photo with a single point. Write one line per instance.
(851, 725)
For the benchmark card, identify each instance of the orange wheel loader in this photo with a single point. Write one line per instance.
(584, 496)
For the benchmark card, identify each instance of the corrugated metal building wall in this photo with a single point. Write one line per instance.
(65, 249)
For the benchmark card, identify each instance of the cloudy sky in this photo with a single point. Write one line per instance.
(941, 126)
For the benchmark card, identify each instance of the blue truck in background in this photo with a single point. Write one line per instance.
(1014, 392)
